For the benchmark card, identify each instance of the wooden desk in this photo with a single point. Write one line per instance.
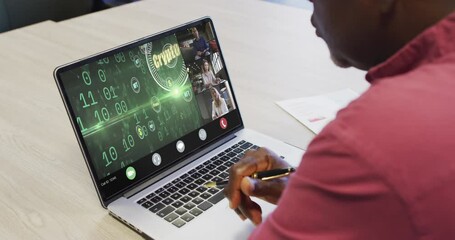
(46, 191)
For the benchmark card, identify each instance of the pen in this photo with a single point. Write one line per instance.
(263, 175)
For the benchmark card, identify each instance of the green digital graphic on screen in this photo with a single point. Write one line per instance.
(132, 103)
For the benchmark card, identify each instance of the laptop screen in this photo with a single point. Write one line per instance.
(142, 107)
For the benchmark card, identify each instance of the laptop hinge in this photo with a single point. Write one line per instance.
(176, 167)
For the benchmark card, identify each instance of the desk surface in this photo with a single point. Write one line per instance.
(45, 189)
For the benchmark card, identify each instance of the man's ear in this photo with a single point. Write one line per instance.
(387, 6)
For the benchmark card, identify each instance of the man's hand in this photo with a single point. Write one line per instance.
(241, 187)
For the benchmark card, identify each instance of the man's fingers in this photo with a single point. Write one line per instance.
(254, 161)
(267, 190)
(250, 210)
(240, 214)
(247, 166)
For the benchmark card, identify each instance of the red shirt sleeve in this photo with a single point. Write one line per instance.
(336, 195)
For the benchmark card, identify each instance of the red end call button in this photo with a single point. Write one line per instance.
(223, 123)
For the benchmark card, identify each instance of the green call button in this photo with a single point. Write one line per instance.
(131, 173)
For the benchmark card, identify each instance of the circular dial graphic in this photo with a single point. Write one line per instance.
(165, 63)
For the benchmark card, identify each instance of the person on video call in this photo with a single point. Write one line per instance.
(208, 78)
(385, 167)
(219, 106)
(200, 45)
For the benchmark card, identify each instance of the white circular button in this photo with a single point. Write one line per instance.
(202, 134)
(180, 146)
(156, 159)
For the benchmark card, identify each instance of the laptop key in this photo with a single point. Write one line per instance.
(147, 204)
(178, 223)
(185, 199)
(155, 208)
(204, 206)
(196, 212)
(228, 164)
(177, 204)
(205, 195)
(189, 205)
(213, 190)
(181, 211)
(216, 198)
(165, 211)
(155, 199)
(218, 162)
(196, 175)
(159, 191)
(197, 200)
(246, 145)
(223, 175)
(238, 150)
(180, 184)
(217, 179)
(187, 217)
(176, 196)
(168, 201)
(192, 186)
(188, 180)
(164, 194)
(201, 189)
(215, 172)
(142, 200)
(193, 194)
(203, 171)
(199, 181)
(184, 191)
(207, 177)
(172, 189)
(171, 217)
(210, 167)
(231, 154)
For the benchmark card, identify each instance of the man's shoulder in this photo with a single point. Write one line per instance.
(405, 98)
(402, 127)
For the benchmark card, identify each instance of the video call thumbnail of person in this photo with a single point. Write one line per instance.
(206, 71)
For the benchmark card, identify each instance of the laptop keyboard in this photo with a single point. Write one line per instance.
(185, 198)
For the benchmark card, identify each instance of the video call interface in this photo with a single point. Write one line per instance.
(131, 104)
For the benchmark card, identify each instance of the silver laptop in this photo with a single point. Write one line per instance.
(156, 119)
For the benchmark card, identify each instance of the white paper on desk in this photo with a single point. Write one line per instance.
(315, 112)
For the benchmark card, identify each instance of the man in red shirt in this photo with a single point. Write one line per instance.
(385, 167)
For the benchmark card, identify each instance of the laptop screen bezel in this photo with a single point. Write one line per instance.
(104, 196)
